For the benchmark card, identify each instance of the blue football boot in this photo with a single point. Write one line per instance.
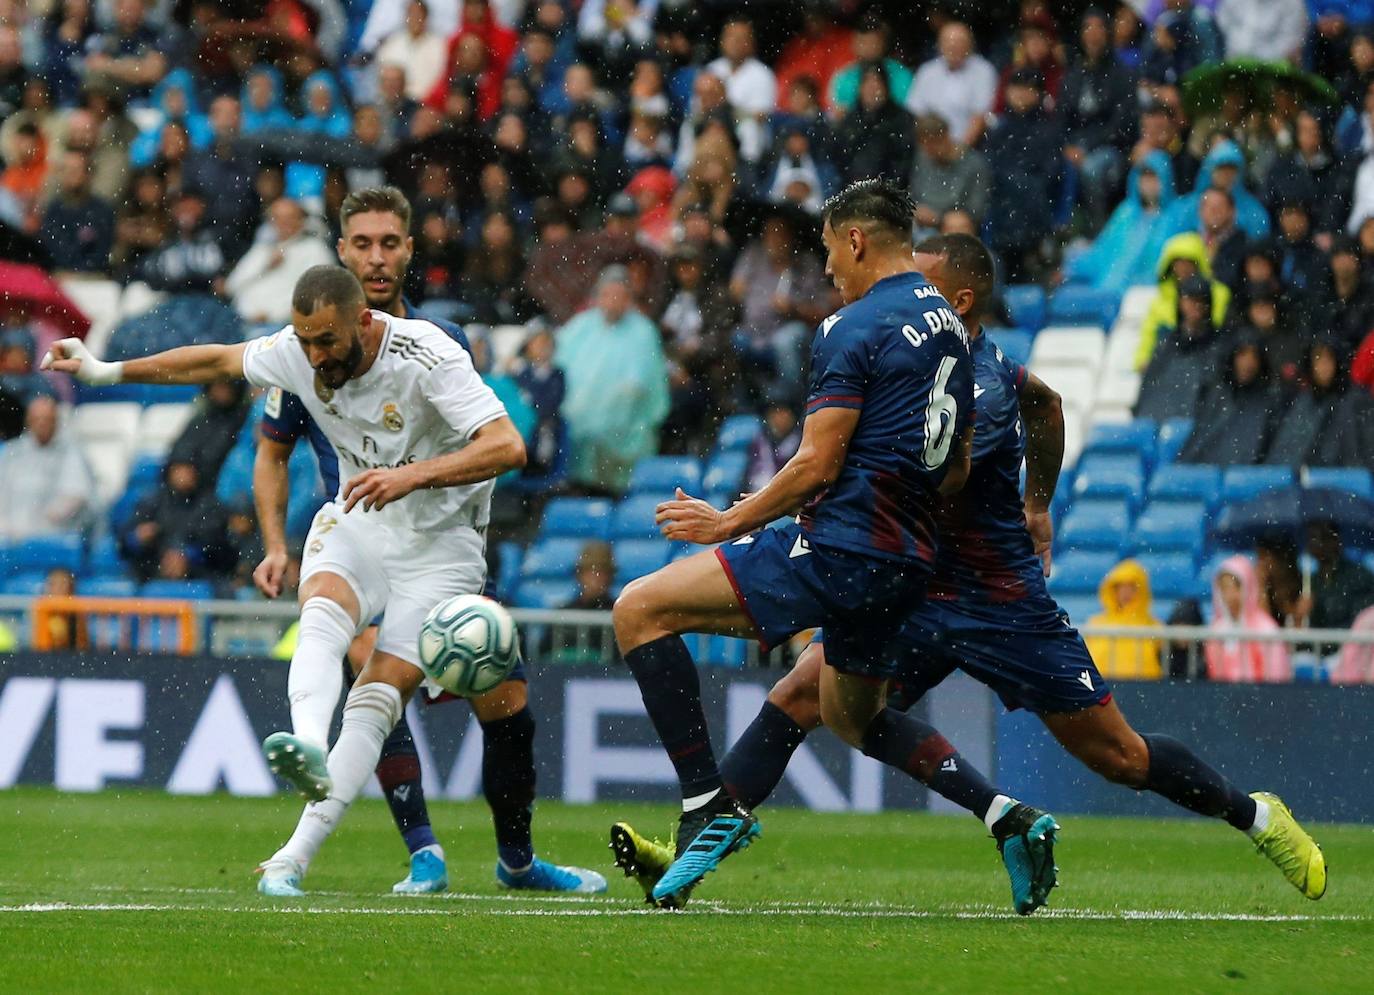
(1025, 837)
(544, 876)
(705, 837)
(428, 873)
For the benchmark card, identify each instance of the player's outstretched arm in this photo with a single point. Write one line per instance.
(191, 364)
(960, 464)
(816, 465)
(1043, 414)
(271, 488)
(496, 448)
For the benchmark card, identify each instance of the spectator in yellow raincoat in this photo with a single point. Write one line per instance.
(1125, 594)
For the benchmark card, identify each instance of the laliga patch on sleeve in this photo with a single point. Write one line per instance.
(274, 402)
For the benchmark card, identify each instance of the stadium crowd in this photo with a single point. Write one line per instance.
(637, 184)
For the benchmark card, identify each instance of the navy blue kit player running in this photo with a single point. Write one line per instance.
(888, 426)
(376, 247)
(988, 613)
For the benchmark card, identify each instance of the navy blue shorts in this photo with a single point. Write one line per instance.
(1044, 669)
(785, 585)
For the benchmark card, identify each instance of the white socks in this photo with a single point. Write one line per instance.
(1000, 806)
(697, 801)
(316, 676)
(369, 715)
(1261, 819)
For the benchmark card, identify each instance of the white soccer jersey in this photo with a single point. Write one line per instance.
(420, 399)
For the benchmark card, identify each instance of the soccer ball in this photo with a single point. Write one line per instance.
(468, 645)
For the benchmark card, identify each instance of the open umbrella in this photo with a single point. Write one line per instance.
(290, 145)
(1292, 509)
(1206, 87)
(22, 285)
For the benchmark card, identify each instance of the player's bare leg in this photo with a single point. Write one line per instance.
(373, 707)
(328, 625)
(1102, 739)
(689, 595)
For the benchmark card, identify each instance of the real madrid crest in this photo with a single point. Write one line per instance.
(392, 418)
(315, 546)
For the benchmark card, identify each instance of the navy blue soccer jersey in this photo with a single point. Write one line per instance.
(900, 356)
(986, 557)
(286, 420)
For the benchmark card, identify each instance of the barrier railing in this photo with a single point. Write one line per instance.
(251, 628)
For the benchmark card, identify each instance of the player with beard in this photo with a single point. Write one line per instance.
(376, 247)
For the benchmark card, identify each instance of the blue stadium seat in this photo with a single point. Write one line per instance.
(1136, 437)
(737, 432)
(1026, 303)
(27, 585)
(54, 552)
(1097, 525)
(146, 472)
(6, 561)
(1080, 572)
(639, 557)
(585, 518)
(633, 518)
(1170, 527)
(137, 393)
(1352, 480)
(545, 593)
(1241, 483)
(1173, 436)
(552, 558)
(658, 475)
(103, 559)
(725, 472)
(1186, 483)
(1172, 575)
(1110, 475)
(509, 558)
(106, 587)
(1079, 607)
(183, 590)
(1082, 305)
(718, 651)
(1015, 343)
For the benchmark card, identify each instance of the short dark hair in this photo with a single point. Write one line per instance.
(874, 202)
(326, 286)
(970, 261)
(388, 200)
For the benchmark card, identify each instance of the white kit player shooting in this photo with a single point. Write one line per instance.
(411, 419)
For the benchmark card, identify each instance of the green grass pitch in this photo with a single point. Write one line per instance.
(135, 891)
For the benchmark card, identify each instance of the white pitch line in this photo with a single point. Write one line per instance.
(821, 911)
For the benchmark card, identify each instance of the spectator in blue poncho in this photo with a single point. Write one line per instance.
(325, 114)
(1128, 247)
(262, 101)
(1224, 167)
(612, 356)
(175, 100)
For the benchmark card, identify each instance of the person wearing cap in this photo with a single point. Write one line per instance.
(192, 261)
(1186, 362)
(617, 385)
(1026, 150)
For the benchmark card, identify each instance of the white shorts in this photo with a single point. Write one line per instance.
(397, 573)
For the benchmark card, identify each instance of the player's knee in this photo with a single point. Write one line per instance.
(635, 615)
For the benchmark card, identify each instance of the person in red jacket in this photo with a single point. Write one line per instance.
(487, 69)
